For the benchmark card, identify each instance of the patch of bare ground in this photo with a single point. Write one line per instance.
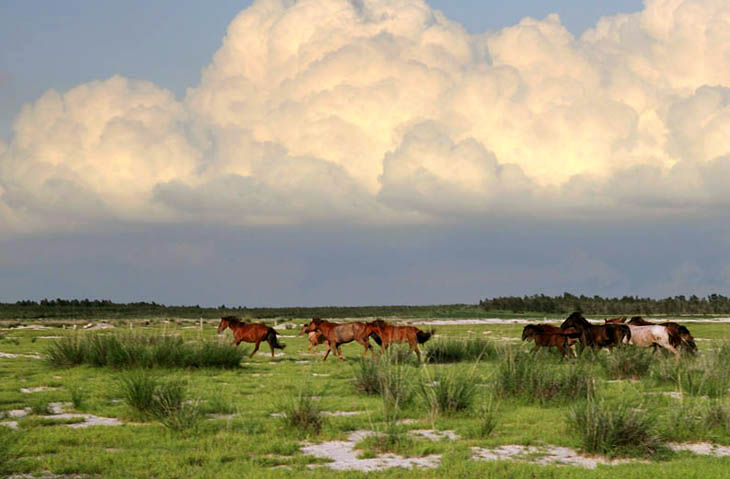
(57, 412)
(702, 448)
(434, 435)
(543, 456)
(344, 456)
(12, 356)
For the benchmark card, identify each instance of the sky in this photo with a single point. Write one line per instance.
(353, 152)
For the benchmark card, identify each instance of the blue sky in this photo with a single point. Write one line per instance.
(363, 152)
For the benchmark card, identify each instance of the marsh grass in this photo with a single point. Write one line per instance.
(130, 350)
(452, 350)
(615, 429)
(705, 375)
(627, 362)
(40, 407)
(528, 376)
(163, 401)
(303, 413)
(391, 380)
(447, 392)
(392, 439)
(78, 397)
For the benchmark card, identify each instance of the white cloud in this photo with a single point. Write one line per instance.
(378, 111)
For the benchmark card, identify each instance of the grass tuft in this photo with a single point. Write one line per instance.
(304, 414)
(627, 362)
(447, 392)
(615, 429)
(453, 350)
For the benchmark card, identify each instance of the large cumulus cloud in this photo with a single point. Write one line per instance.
(376, 111)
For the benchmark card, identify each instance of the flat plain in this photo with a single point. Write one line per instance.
(499, 412)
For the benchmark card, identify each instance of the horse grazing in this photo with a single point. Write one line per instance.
(315, 338)
(250, 333)
(597, 336)
(399, 334)
(679, 336)
(337, 334)
(547, 336)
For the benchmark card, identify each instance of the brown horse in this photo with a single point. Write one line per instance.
(399, 334)
(250, 333)
(679, 336)
(547, 336)
(315, 338)
(597, 336)
(337, 334)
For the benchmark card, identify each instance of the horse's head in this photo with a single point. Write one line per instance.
(223, 325)
(575, 320)
(375, 326)
(312, 326)
(528, 332)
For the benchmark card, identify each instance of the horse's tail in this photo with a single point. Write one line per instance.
(422, 336)
(376, 338)
(625, 334)
(271, 339)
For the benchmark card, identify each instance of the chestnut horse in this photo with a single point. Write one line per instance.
(315, 338)
(337, 334)
(399, 334)
(597, 336)
(547, 336)
(250, 333)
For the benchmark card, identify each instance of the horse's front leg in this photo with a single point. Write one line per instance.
(327, 353)
(256, 348)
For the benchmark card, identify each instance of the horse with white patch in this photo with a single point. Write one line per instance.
(648, 336)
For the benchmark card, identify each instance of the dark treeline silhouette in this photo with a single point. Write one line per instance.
(106, 309)
(567, 303)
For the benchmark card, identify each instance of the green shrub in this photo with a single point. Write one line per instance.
(78, 397)
(627, 361)
(367, 376)
(448, 392)
(40, 407)
(615, 429)
(138, 391)
(452, 350)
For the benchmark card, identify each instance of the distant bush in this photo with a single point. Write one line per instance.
(615, 429)
(129, 350)
(452, 350)
(524, 375)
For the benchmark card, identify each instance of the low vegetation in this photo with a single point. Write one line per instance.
(132, 350)
(454, 350)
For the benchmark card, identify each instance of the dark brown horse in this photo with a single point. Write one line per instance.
(250, 333)
(597, 336)
(679, 336)
(399, 334)
(547, 336)
(337, 334)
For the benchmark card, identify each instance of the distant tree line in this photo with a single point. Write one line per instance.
(106, 309)
(626, 305)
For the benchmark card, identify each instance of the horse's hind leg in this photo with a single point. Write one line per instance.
(256, 348)
(271, 345)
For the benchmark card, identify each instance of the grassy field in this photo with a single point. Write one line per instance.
(268, 417)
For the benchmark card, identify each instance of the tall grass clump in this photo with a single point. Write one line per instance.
(303, 413)
(448, 392)
(453, 350)
(164, 402)
(130, 350)
(615, 429)
(396, 388)
(526, 376)
(367, 376)
(627, 362)
(705, 375)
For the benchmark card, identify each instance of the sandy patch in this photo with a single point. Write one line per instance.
(31, 326)
(18, 413)
(98, 326)
(342, 413)
(37, 389)
(221, 416)
(321, 375)
(11, 355)
(344, 456)
(543, 456)
(89, 419)
(434, 435)
(10, 424)
(702, 448)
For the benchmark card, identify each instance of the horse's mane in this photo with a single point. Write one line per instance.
(379, 323)
(232, 319)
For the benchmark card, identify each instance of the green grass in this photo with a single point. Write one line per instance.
(453, 350)
(253, 443)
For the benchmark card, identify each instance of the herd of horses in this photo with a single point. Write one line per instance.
(636, 331)
(575, 329)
